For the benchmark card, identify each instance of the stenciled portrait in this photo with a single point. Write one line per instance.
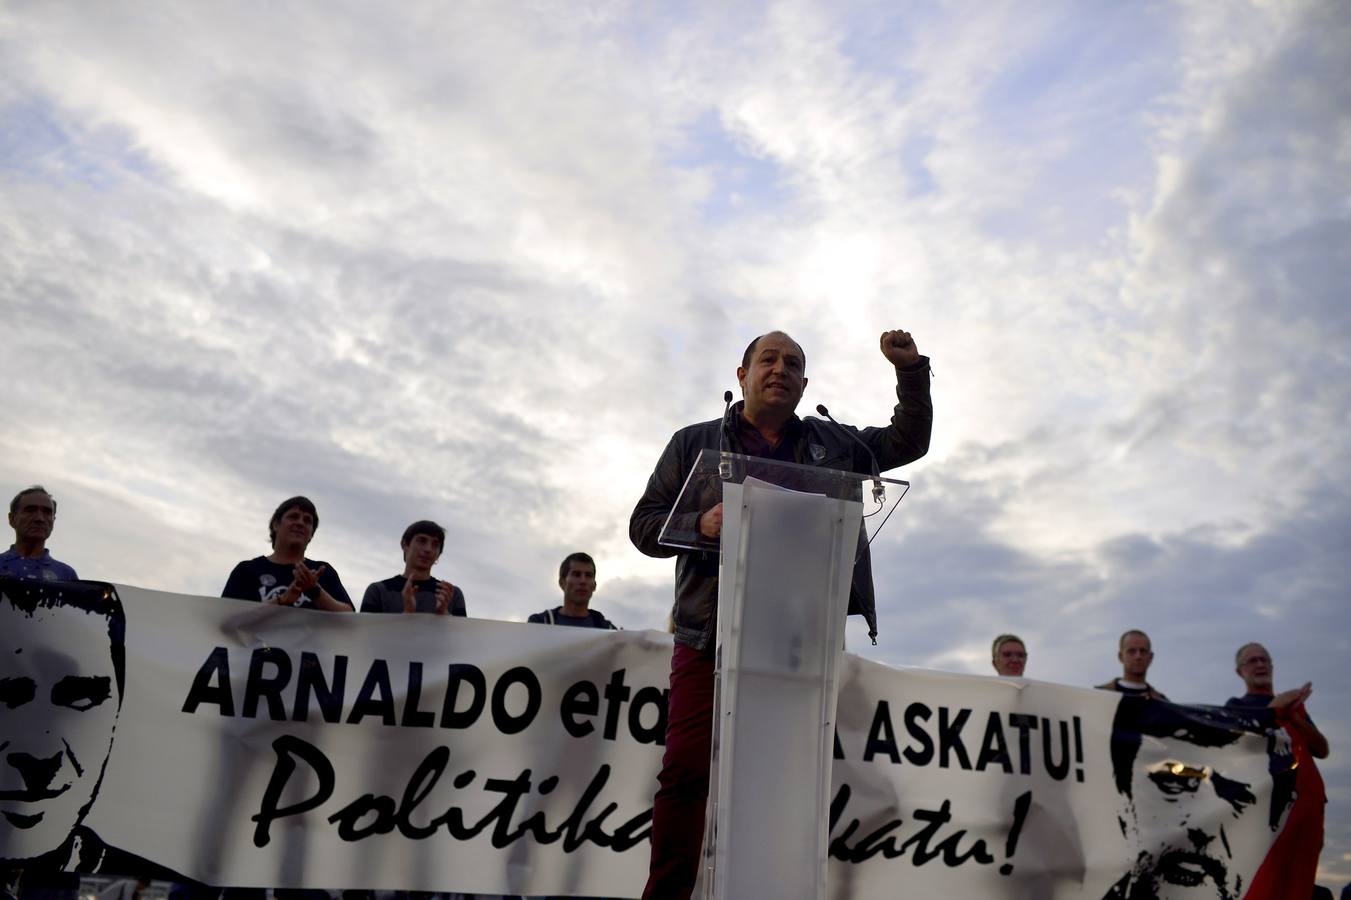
(1198, 806)
(62, 676)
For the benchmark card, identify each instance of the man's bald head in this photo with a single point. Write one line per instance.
(750, 348)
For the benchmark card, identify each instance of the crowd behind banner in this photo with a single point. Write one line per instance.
(287, 576)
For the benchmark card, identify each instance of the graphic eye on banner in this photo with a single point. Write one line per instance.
(261, 746)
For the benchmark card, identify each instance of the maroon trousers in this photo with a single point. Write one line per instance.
(678, 809)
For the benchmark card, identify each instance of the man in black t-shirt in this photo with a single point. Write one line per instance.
(577, 578)
(286, 576)
(416, 590)
(289, 578)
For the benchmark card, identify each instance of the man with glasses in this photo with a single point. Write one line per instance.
(1293, 863)
(1253, 664)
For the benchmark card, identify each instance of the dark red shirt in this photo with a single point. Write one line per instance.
(755, 444)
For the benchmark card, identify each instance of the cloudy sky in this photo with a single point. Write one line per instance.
(476, 262)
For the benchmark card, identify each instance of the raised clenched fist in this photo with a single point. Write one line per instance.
(899, 348)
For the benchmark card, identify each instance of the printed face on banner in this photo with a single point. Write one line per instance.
(1187, 803)
(58, 709)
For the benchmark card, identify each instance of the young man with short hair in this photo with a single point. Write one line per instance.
(416, 590)
(286, 576)
(577, 578)
(1136, 654)
(32, 515)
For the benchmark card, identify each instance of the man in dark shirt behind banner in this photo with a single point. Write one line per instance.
(416, 591)
(1292, 863)
(286, 576)
(577, 578)
(772, 376)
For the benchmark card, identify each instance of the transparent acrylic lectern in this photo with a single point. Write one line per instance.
(790, 536)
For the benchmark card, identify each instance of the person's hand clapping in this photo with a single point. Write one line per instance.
(303, 578)
(1289, 704)
(444, 592)
(1293, 698)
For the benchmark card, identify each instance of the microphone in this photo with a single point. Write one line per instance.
(724, 465)
(879, 492)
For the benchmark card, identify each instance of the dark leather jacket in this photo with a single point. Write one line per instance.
(819, 443)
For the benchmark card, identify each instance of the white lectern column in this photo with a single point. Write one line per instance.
(783, 594)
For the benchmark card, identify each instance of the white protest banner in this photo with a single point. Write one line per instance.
(257, 745)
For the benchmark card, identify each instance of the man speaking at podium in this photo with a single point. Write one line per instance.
(772, 376)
